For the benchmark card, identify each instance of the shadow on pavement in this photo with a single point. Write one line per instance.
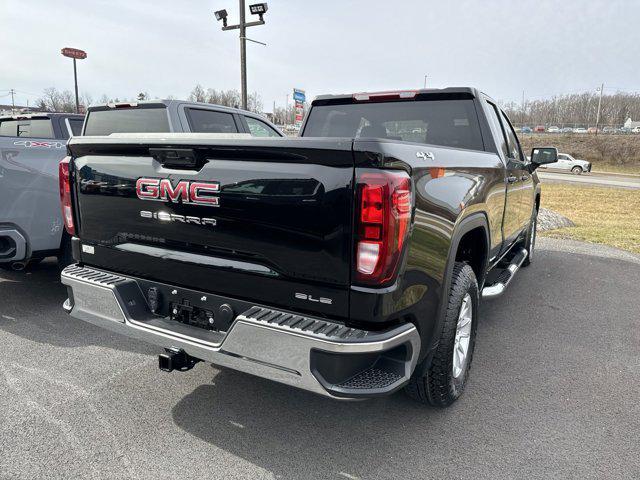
(31, 308)
(295, 434)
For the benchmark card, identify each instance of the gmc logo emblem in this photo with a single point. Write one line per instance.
(185, 191)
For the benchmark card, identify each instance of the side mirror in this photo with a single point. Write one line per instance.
(542, 156)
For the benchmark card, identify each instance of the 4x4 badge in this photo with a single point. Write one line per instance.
(425, 155)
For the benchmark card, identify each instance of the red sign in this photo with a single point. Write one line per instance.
(74, 53)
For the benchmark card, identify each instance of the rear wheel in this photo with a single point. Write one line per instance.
(576, 170)
(447, 374)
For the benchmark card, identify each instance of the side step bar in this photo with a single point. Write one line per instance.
(506, 276)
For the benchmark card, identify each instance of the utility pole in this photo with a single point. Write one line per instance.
(13, 103)
(599, 105)
(522, 110)
(425, 81)
(256, 9)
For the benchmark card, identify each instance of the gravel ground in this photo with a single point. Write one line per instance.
(553, 394)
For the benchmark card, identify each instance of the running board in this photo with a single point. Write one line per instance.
(505, 276)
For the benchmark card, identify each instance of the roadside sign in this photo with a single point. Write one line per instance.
(74, 53)
(299, 95)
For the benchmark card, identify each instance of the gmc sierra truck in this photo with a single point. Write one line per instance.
(350, 262)
(31, 147)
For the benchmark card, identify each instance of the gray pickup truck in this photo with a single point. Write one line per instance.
(175, 116)
(31, 147)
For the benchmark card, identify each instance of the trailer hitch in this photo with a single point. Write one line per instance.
(176, 359)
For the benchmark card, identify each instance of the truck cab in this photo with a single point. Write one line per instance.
(175, 116)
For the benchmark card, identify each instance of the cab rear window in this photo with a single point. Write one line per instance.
(127, 120)
(448, 123)
(27, 128)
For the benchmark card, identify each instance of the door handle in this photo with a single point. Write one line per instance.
(512, 179)
(524, 178)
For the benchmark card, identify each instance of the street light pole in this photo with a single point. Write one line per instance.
(243, 56)
(256, 9)
(599, 104)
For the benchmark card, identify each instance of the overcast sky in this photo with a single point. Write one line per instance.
(165, 47)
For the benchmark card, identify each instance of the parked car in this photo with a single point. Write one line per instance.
(567, 130)
(608, 130)
(31, 147)
(579, 130)
(567, 163)
(539, 129)
(636, 129)
(526, 130)
(553, 129)
(349, 266)
(592, 130)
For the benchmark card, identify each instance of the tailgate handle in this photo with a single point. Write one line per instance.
(175, 157)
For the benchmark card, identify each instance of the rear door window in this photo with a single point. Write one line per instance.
(260, 129)
(496, 128)
(28, 128)
(127, 120)
(512, 139)
(211, 121)
(76, 126)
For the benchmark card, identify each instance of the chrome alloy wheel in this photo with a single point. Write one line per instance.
(463, 336)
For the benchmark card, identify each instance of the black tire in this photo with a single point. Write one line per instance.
(65, 257)
(438, 386)
(530, 240)
(576, 170)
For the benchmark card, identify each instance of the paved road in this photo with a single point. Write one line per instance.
(592, 179)
(553, 394)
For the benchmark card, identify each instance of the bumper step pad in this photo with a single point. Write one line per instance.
(309, 326)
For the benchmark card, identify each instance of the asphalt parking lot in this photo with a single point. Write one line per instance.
(553, 394)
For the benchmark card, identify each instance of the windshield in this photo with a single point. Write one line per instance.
(450, 123)
(127, 120)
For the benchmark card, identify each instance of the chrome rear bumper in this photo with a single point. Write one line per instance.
(302, 351)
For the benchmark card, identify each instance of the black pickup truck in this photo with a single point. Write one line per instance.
(349, 262)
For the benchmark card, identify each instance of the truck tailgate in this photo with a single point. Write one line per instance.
(266, 220)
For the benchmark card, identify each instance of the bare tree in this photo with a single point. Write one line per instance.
(198, 94)
(576, 110)
(227, 98)
(53, 100)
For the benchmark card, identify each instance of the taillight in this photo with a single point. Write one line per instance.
(65, 195)
(382, 224)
